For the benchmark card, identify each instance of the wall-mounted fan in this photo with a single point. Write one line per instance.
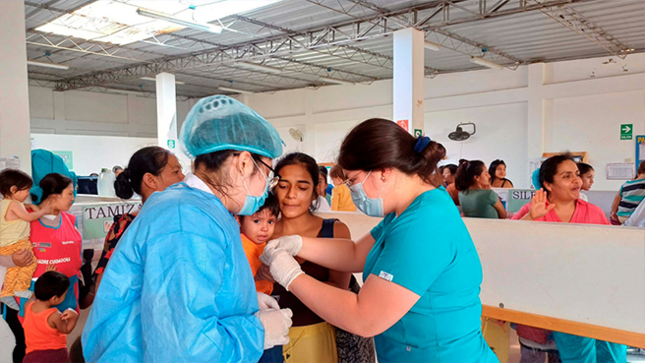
(296, 134)
(459, 134)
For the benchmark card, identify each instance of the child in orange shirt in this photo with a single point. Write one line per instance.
(256, 231)
(45, 327)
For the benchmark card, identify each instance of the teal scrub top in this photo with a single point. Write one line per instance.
(428, 250)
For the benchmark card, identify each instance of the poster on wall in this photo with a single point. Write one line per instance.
(9, 162)
(640, 150)
(68, 158)
(98, 219)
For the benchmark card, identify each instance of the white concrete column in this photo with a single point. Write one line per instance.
(537, 111)
(166, 111)
(408, 79)
(15, 134)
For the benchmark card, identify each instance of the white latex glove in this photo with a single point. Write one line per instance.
(292, 244)
(267, 302)
(284, 268)
(276, 326)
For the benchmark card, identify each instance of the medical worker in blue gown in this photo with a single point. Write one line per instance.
(178, 287)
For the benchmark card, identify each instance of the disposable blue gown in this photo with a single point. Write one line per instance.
(178, 288)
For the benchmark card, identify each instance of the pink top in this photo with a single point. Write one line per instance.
(585, 213)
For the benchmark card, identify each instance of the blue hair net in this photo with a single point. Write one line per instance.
(219, 122)
(536, 179)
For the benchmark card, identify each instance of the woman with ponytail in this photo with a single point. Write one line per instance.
(476, 198)
(421, 271)
(151, 169)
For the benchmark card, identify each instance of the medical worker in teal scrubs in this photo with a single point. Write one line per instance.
(422, 274)
(178, 287)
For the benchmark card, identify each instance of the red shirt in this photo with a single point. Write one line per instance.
(60, 246)
(585, 213)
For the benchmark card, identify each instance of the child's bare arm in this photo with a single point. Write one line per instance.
(63, 322)
(18, 211)
(70, 317)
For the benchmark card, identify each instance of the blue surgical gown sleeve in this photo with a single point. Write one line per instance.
(176, 298)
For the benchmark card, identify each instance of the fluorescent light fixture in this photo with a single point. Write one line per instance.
(486, 63)
(155, 80)
(235, 90)
(172, 19)
(432, 46)
(47, 65)
(125, 91)
(119, 22)
(258, 67)
(336, 81)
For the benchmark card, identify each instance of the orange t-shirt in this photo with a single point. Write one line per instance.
(253, 251)
(38, 334)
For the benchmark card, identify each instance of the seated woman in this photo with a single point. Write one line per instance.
(312, 339)
(476, 198)
(449, 174)
(497, 171)
(341, 199)
(57, 246)
(559, 201)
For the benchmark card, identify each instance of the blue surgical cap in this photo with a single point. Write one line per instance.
(219, 122)
(536, 179)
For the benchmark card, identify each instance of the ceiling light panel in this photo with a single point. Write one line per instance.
(117, 22)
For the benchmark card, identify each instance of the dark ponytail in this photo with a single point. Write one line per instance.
(147, 160)
(467, 172)
(381, 144)
(53, 184)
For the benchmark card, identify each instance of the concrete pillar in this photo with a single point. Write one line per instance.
(15, 134)
(166, 111)
(408, 79)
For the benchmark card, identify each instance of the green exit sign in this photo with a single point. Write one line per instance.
(626, 131)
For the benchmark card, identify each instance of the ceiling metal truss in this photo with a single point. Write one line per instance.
(575, 21)
(333, 40)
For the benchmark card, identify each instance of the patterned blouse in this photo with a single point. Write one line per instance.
(120, 225)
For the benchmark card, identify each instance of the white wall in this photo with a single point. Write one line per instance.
(91, 153)
(519, 114)
(94, 113)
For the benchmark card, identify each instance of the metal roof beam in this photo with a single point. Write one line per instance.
(575, 21)
(332, 39)
(448, 40)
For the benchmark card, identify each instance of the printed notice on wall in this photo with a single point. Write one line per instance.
(9, 162)
(620, 171)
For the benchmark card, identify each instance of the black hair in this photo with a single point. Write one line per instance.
(378, 144)
(467, 172)
(76, 352)
(272, 204)
(151, 160)
(115, 168)
(323, 170)
(14, 178)
(53, 184)
(212, 162)
(492, 169)
(549, 168)
(584, 168)
(641, 168)
(452, 167)
(309, 163)
(51, 284)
